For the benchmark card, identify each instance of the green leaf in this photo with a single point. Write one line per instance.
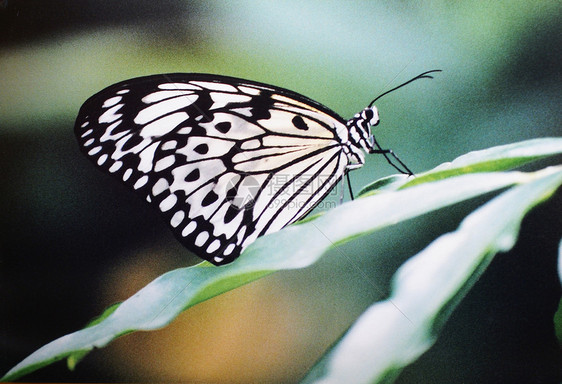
(75, 357)
(393, 333)
(296, 246)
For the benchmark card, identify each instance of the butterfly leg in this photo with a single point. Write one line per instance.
(386, 152)
(341, 190)
(349, 185)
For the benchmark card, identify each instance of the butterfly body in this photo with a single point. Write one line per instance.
(225, 160)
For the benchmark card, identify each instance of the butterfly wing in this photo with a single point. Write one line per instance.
(225, 160)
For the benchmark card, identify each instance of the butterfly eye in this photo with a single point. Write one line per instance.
(375, 118)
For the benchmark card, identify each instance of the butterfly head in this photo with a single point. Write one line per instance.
(360, 128)
(372, 116)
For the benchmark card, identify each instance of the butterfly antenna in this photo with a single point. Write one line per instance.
(425, 75)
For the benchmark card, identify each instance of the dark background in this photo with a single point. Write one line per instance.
(72, 241)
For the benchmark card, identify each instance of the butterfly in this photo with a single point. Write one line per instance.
(224, 160)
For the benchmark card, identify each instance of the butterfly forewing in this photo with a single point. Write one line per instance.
(225, 160)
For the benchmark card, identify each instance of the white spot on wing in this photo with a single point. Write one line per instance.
(107, 135)
(250, 144)
(247, 111)
(89, 142)
(169, 144)
(111, 102)
(177, 218)
(222, 99)
(115, 167)
(141, 182)
(122, 92)
(168, 203)
(213, 247)
(127, 174)
(163, 125)
(95, 150)
(160, 186)
(228, 250)
(102, 159)
(249, 90)
(118, 153)
(147, 158)
(201, 239)
(189, 228)
(164, 163)
(110, 115)
(163, 108)
(89, 131)
(162, 95)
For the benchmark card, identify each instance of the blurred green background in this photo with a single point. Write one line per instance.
(73, 241)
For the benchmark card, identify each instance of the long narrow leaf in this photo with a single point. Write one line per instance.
(393, 333)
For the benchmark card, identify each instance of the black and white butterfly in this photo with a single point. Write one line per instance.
(225, 160)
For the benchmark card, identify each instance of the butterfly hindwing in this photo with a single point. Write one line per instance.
(225, 160)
